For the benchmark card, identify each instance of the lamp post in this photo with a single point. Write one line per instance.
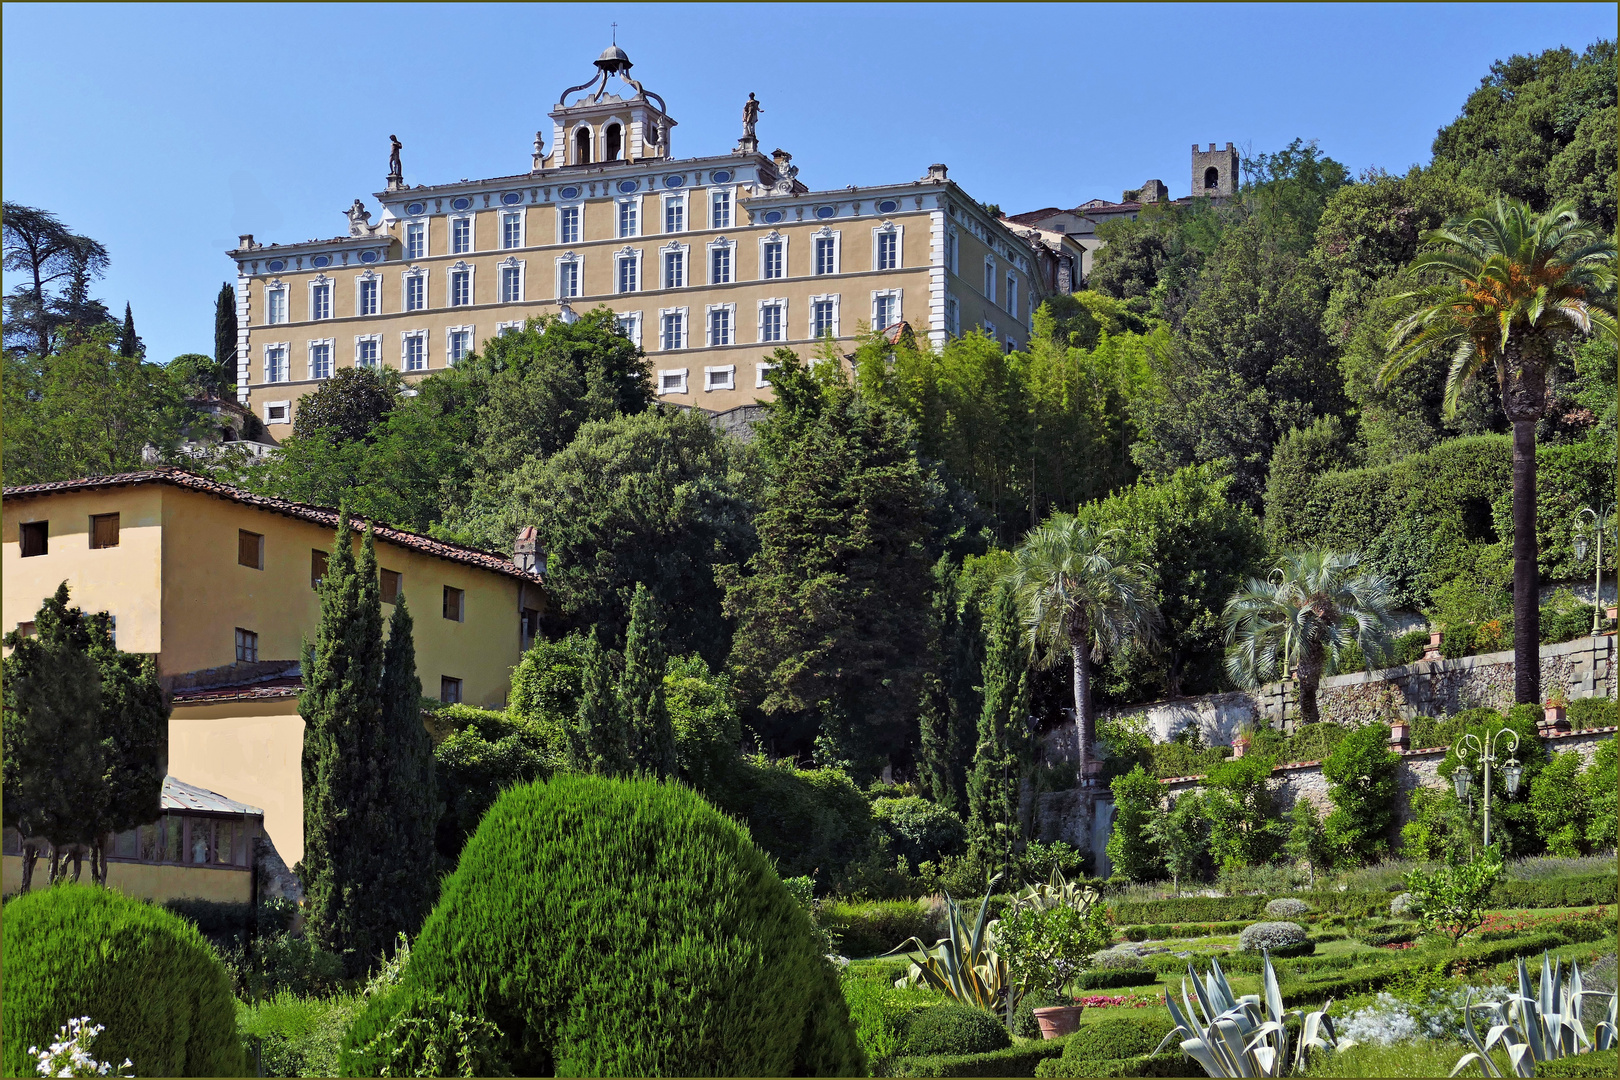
(1512, 771)
(1600, 522)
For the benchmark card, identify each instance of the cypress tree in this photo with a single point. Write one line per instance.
(410, 801)
(134, 718)
(598, 740)
(225, 333)
(342, 670)
(128, 343)
(936, 749)
(993, 786)
(641, 691)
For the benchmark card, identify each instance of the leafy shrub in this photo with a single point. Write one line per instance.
(1558, 802)
(1271, 935)
(1105, 979)
(1388, 937)
(1189, 909)
(876, 926)
(1287, 907)
(482, 753)
(1596, 1063)
(1584, 891)
(956, 1029)
(1401, 906)
(1020, 1060)
(1166, 1064)
(426, 1036)
(703, 711)
(143, 973)
(1408, 648)
(1038, 860)
(1117, 1037)
(1116, 960)
(604, 904)
(882, 1014)
(291, 1035)
(1595, 712)
(920, 830)
(811, 821)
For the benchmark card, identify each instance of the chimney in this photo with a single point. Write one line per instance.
(526, 553)
(245, 241)
(936, 173)
(781, 157)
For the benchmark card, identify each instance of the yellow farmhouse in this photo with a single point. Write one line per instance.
(710, 263)
(219, 584)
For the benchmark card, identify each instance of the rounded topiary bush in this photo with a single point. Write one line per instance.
(1287, 907)
(614, 928)
(1271, 935)
(955, 1029)
(146, 975)
(1401, 906)
(1116, 959)
(1117, 1037)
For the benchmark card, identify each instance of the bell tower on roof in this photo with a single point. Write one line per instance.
(599, 127)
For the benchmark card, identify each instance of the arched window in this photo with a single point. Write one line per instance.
(1212, 178)
(582, 146)
(611, 140)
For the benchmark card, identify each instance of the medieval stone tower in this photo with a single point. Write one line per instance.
(1214, 172)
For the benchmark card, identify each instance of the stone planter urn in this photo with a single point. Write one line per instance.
(1611, 612)
(1433, 651)
(1400, 735)
(1240, 746)
(1057, 1021)
(1553, 717)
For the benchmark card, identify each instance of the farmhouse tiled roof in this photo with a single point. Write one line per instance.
(319, 515)
(179, 795)
(263, 690)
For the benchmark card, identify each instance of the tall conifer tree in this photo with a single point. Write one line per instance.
(641, 691)
(936, 749)
(225, 333)
(134, 738)
(129, 344)
(410, 801)
(598, 742)
(993, 786)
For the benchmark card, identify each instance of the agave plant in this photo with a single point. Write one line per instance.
(964, 964)
(1533, 1028)
(1058, 891)
(1248, 1035)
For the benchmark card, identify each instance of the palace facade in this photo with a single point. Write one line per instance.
(710, 263)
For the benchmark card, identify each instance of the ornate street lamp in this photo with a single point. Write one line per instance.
(1512, 771)
(1600, 523)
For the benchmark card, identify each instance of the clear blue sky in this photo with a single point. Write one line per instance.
(165, 130)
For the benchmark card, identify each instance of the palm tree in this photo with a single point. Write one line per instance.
(1513, 284)
(1080, 595)
(1313, 607)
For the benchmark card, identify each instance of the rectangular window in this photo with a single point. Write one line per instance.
(454, 603)
(317, 568)
(1012, 346)
(675, 215)
(173, 837)
(674, 269)
(770, 322)
(511, 229)
(249, 549)
(884, 310)
(275, 364)
(627, 218)
(449, 690)
(720, 378)
(365, 353)
(460, 235)
(224, 842)
(821, 318)
(989, 329)
(670, 382)
(26, 629)
(389, 583)
(762, 375)
(416, 352)
(104, 530)
(953, 315)
(415, 292)
(151, 841)
(568, 225)
(247, 646)
(720, 210)
(197, 830)
(825, 262)
(720, 327)
(511, 284)
(888, 251)
(567, 279)
(277, 311)
(369, 288)
(320, 301)
(127, 844)
(320, 360)
(459, 344)
(771, 260)
(460, 288)
(1012, 296)
(415, 240)
(627, 273)
(35, 538)
(276, 414)
(672, 331)
(630, 326)
(990, 280)
(528, 626)
(720, 265)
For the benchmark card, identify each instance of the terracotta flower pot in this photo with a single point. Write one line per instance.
(1059, 1020)
(1554, 713)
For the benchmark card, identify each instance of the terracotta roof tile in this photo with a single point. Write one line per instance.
(179, 795)
(319, 515)
(263, 690)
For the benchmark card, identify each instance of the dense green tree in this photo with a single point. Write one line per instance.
(1153, 261)
(86, 412)
(1131, 849)
(1541, 128)
(196, 375)
(641, 691)
(1197, 545)
(546, 683)
(1362, 782)
(1244, 828)
(1080, 593)
(134, 725)
(1514, 285)
(993, 786)
(350, 404)
(225, 332)
(1300, 457)
(831, 614)
(129, 342)
(658, 499)
(599, 741)
(1182, 838)
(703, 712)
(1312, 608)
(45, 255)
(407, 808)
(1600, 782)
(54, 758)
(1559, 804)
(1308, 844)
(485, 753)
(76, 314)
